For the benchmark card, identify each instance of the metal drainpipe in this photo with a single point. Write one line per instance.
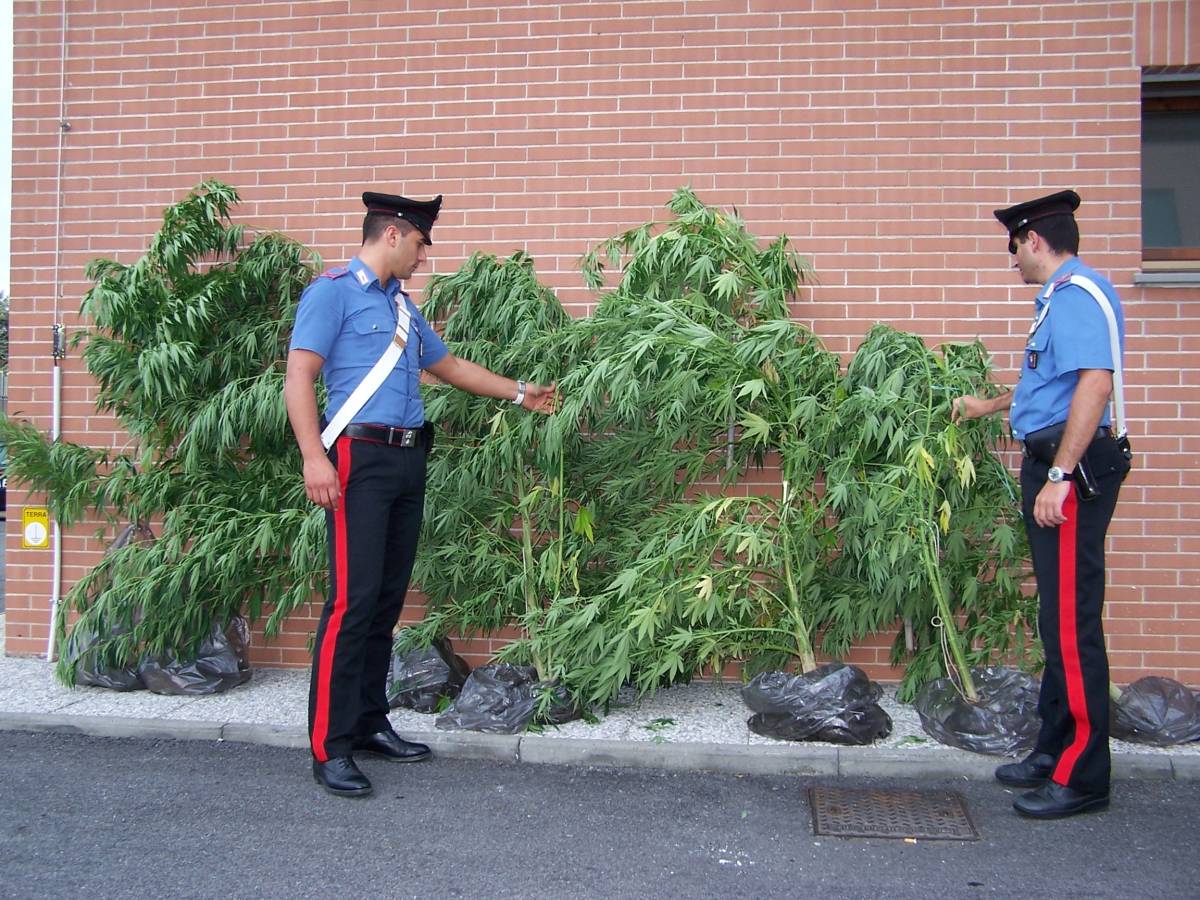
(59, 342)
(55, 431)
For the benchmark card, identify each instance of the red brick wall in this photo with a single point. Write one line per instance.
(878, 134)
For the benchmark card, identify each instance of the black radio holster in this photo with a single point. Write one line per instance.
(1043, 445)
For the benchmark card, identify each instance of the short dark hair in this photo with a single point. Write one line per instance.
(376, 223)
(1060, 232)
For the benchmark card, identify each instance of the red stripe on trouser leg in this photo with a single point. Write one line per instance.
(1068, 640)
(324, 661)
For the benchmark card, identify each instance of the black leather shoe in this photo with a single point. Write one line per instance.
(1055, 801)
(391, 746)
(1030, 772)
(341, 776)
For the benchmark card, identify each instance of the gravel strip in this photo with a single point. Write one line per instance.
(697, 713)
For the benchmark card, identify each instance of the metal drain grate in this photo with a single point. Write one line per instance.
(932, 815)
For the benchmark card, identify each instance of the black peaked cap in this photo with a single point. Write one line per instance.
(1020, 216)
(421, 214)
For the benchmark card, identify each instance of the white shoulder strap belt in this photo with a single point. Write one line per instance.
(1114, 342)
(370, 384)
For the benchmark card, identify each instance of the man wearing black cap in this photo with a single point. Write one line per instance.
(1071, 473)
(365, 465)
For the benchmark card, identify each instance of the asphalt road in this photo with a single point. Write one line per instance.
(114, 818)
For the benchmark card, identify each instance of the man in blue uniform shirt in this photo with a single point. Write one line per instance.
(1071, 473)
(358, 330)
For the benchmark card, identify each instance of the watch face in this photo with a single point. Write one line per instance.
(1055, 474)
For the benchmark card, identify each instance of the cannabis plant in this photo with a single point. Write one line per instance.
(501, 528)
(689, 372)
(927, 517)
(685, 374)
(727, 579)
(688, 589)
(703, 253)
(187, 346)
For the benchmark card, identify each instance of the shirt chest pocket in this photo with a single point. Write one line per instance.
(1037, 350)
(372, 329)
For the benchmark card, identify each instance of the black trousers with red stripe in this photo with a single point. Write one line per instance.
(1069, 564)
(372, 544)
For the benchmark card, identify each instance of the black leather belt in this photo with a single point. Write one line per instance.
(386, 434)
(1044, 443)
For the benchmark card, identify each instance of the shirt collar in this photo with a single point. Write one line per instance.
(364, 275)
(1066, 269)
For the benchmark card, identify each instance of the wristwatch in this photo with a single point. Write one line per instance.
(1058, 476)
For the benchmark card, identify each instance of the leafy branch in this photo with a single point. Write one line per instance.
(186, 346)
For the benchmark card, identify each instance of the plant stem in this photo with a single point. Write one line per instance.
(808, 661)
(531, 604)
(949, 630)
(562, 499)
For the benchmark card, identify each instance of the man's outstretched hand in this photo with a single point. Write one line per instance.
(541, 398)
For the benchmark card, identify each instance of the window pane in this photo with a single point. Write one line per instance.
(1170, 189)
(1170, 150)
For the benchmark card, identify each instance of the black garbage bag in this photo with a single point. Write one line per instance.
(420, 678)
(503, 699)
(81, 644)
(1156, 710)
(834, 702)
(1003, 722)
(219, 664)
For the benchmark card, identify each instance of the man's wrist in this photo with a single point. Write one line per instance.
(520, 398)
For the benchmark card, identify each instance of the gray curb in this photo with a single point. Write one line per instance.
(945, 762)
(270, 735)
(737, 759)
(1145, 765)
(734, 759)
(1186, 768)
(473, 745)
(112, 726)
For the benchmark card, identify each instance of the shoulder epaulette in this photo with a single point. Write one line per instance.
(335, 272)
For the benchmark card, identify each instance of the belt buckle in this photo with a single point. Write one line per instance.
(408, 437)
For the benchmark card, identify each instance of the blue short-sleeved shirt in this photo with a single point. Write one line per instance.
(1073, 335)
(347, 318)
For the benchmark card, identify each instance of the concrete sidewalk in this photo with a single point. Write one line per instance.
(690, 727)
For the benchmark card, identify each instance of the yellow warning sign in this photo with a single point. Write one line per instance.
(35, 527)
